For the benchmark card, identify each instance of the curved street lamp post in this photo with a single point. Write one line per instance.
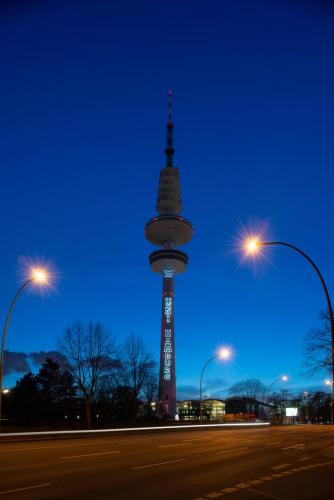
(38, 276)
(223, 354)
(283, 378)
(253, 245)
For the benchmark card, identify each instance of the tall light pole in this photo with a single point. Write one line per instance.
(330, 383)
(282, 378)
(305, 396)
(224, 353)
(38, 276)
(253, 246)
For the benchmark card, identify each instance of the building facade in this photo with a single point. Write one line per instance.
(213, 410)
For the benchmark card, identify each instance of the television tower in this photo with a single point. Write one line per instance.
(168, 230)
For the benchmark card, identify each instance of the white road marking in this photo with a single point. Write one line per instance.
(131, 442)
(90, 455)
(281, 466)
(157, 464)
(242, 485)
(75, 445)
(256, 481)
(303, 459)
(295, 447)
(194, 439)
(274, 442)
(231, 451)
(227, 441)
(172, 445)
(214, 494)
(43, 485)
(229, 490)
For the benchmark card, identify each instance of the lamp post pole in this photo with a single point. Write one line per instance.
(200, 387)
(284, 378)
(332, 400)
(4, 335)
(330, 383)
(270, 386)
(224, 353)
(328, 300)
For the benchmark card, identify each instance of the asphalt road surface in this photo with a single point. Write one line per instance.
(292, 463)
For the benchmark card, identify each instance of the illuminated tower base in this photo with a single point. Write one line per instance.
(167, 379)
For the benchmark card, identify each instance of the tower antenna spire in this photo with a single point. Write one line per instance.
(170, 129)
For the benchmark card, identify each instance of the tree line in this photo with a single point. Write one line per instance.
(313, 406)
(97, 381)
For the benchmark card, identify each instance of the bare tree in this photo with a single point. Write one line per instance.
(250, 388)
(89, 350)
(137, 369)
(318, 347)
(280, 401)
(150, 390)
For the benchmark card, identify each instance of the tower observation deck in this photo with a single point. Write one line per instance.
(168, 230)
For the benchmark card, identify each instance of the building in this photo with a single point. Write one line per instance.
(168, 230)
(248, 409)
(213, 410)
(229, 410)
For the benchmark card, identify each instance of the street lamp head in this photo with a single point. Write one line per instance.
(224, 353)
(328, 382)
(6, 391)
(284, 378)
(252, 245)
(39, 275)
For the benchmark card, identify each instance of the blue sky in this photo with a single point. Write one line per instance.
(82, 136)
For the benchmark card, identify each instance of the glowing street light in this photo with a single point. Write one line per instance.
(36, 276)
(253, 246)
(224, 353)
(330, 384)
(39, 275)
(282, 378)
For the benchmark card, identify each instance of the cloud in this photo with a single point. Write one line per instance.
(38, 358)
(22, 362)
(15, 362)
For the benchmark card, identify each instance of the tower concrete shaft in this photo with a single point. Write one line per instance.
(167, 379)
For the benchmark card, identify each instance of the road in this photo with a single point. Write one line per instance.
(292, 462)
